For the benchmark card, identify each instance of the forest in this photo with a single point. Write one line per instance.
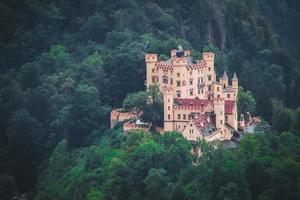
(65, 64)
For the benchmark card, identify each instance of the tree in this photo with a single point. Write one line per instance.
(246, 102)
(135, 100)
(25, 147)
(153, 111)
(157, 185)
(282, 118)
(29, 75)
(84, 115)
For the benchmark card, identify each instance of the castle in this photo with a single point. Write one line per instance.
(195, 102)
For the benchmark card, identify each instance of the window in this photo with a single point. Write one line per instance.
(178, 116)
(165, 79)
(184, 116)
(153, 70)
(209, 88)
(169, 107)
(218, 89)
(218, 96)
(198, 71)
(178, 93)
(169, 100)
(221, 113)
(191, 93)
(228, 95)
(209, 77)
(226, 118)
(154, 79)
(191, 81)
(171, 81)
(178, 83)
(221, 121)
(198, 91)
(209, 68)
(191, 73)
(169, 116)
(178, 74)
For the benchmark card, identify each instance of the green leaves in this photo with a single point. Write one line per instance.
(246, 102)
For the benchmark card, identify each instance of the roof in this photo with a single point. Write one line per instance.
(204, 123)
(229, 104)
(192, 102)
(119, 115)
(234, 77)
(225, 75)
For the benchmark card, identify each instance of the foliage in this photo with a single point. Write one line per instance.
(246, 102)
(146, 166)
(64, 64)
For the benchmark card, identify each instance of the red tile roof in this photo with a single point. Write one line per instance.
(192, 102)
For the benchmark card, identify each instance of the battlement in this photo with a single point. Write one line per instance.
(219, 100)
(151, 57)
(179, 61)
(167, 90)
(208, 56)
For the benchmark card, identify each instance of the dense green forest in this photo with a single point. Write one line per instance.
(64, 64)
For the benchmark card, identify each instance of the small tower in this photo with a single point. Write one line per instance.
(242, 122)
(235, 81)
(224, 80)
(168, 109)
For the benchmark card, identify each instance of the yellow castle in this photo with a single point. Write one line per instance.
(195, 102)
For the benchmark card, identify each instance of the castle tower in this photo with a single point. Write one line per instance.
(210, 75)
(219, 109)
(152, 75)
(224, 80)
(235, 81)
(168, 109)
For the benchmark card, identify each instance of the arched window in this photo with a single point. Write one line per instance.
(165, 79)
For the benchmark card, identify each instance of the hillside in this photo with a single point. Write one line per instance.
(65, 64)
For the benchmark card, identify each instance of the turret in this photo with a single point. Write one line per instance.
(235, 81)
(224, 80)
